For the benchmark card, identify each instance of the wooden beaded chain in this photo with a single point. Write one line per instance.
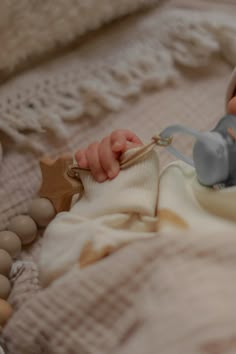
(55, 195)
(60, 182)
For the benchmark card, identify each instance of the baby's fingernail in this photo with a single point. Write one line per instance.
(116, 146)
(78, 156)
(101, 177)
(113, 173)
(80, 160)
(80, 163)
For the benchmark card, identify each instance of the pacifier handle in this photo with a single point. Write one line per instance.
(178, 128)
(210, 154)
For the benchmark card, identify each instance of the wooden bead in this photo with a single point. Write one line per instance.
(25, 227)
(5, 263)
(42, 211)
(10, 242)
(5, 287)
(5, 312)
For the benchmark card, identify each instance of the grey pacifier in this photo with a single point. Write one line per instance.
(214, 152)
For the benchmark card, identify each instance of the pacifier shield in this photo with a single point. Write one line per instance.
(211, 160)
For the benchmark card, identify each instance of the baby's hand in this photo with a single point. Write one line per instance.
(102, 158)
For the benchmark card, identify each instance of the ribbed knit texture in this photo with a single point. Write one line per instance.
(185, 204)
(136, 194)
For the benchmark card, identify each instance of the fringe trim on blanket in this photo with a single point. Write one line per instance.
(138, 54)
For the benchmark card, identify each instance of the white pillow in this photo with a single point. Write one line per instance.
(29, 28)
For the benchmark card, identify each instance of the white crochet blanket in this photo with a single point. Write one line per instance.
(97, 77)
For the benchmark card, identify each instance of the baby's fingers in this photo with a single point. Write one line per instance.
(108, 158)
(81, 159)
(94, 163)
(122, 139)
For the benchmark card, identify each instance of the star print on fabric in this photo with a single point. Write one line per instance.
(56, 185)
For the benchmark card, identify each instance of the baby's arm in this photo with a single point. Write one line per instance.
(102, 158)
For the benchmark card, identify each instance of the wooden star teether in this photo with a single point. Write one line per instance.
(57, 186)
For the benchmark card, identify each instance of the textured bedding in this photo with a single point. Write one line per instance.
(135, 300)
(174, 295)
